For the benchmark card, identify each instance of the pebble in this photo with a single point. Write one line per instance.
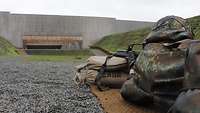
(43, 87)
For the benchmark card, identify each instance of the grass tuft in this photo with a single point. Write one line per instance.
(7, 49)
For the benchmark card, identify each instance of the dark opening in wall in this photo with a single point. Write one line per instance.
(43, 46)
(52, 42)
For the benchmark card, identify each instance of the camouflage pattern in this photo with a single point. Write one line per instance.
(159, 72)
(169, 29)
(187, 102)
(159, 68)
(192, 68)
(132, 93)
(189, 99)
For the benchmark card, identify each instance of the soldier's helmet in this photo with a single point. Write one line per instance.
(169, 29)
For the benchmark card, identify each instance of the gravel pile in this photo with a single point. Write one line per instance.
(43, 87)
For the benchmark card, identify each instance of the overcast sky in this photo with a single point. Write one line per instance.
(148, 10)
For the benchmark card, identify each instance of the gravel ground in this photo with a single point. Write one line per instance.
(42, 87)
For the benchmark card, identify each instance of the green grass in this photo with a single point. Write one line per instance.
(67, 56)
(195, 24)
(6, 48)
(120, 41)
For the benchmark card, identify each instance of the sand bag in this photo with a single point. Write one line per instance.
(114, 76)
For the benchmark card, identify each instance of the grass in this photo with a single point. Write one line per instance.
(120, 41)
(67, 56)
(195, 24)
(7, 49)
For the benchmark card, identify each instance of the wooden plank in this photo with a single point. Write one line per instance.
(51, 40)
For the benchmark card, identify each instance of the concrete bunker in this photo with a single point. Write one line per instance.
(52, 42)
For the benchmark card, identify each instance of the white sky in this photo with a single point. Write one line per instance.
(148, 10)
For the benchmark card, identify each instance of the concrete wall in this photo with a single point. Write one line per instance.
(124, 25)
(14, 26)
(4, 24)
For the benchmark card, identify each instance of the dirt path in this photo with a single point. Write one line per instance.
(112, 102)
